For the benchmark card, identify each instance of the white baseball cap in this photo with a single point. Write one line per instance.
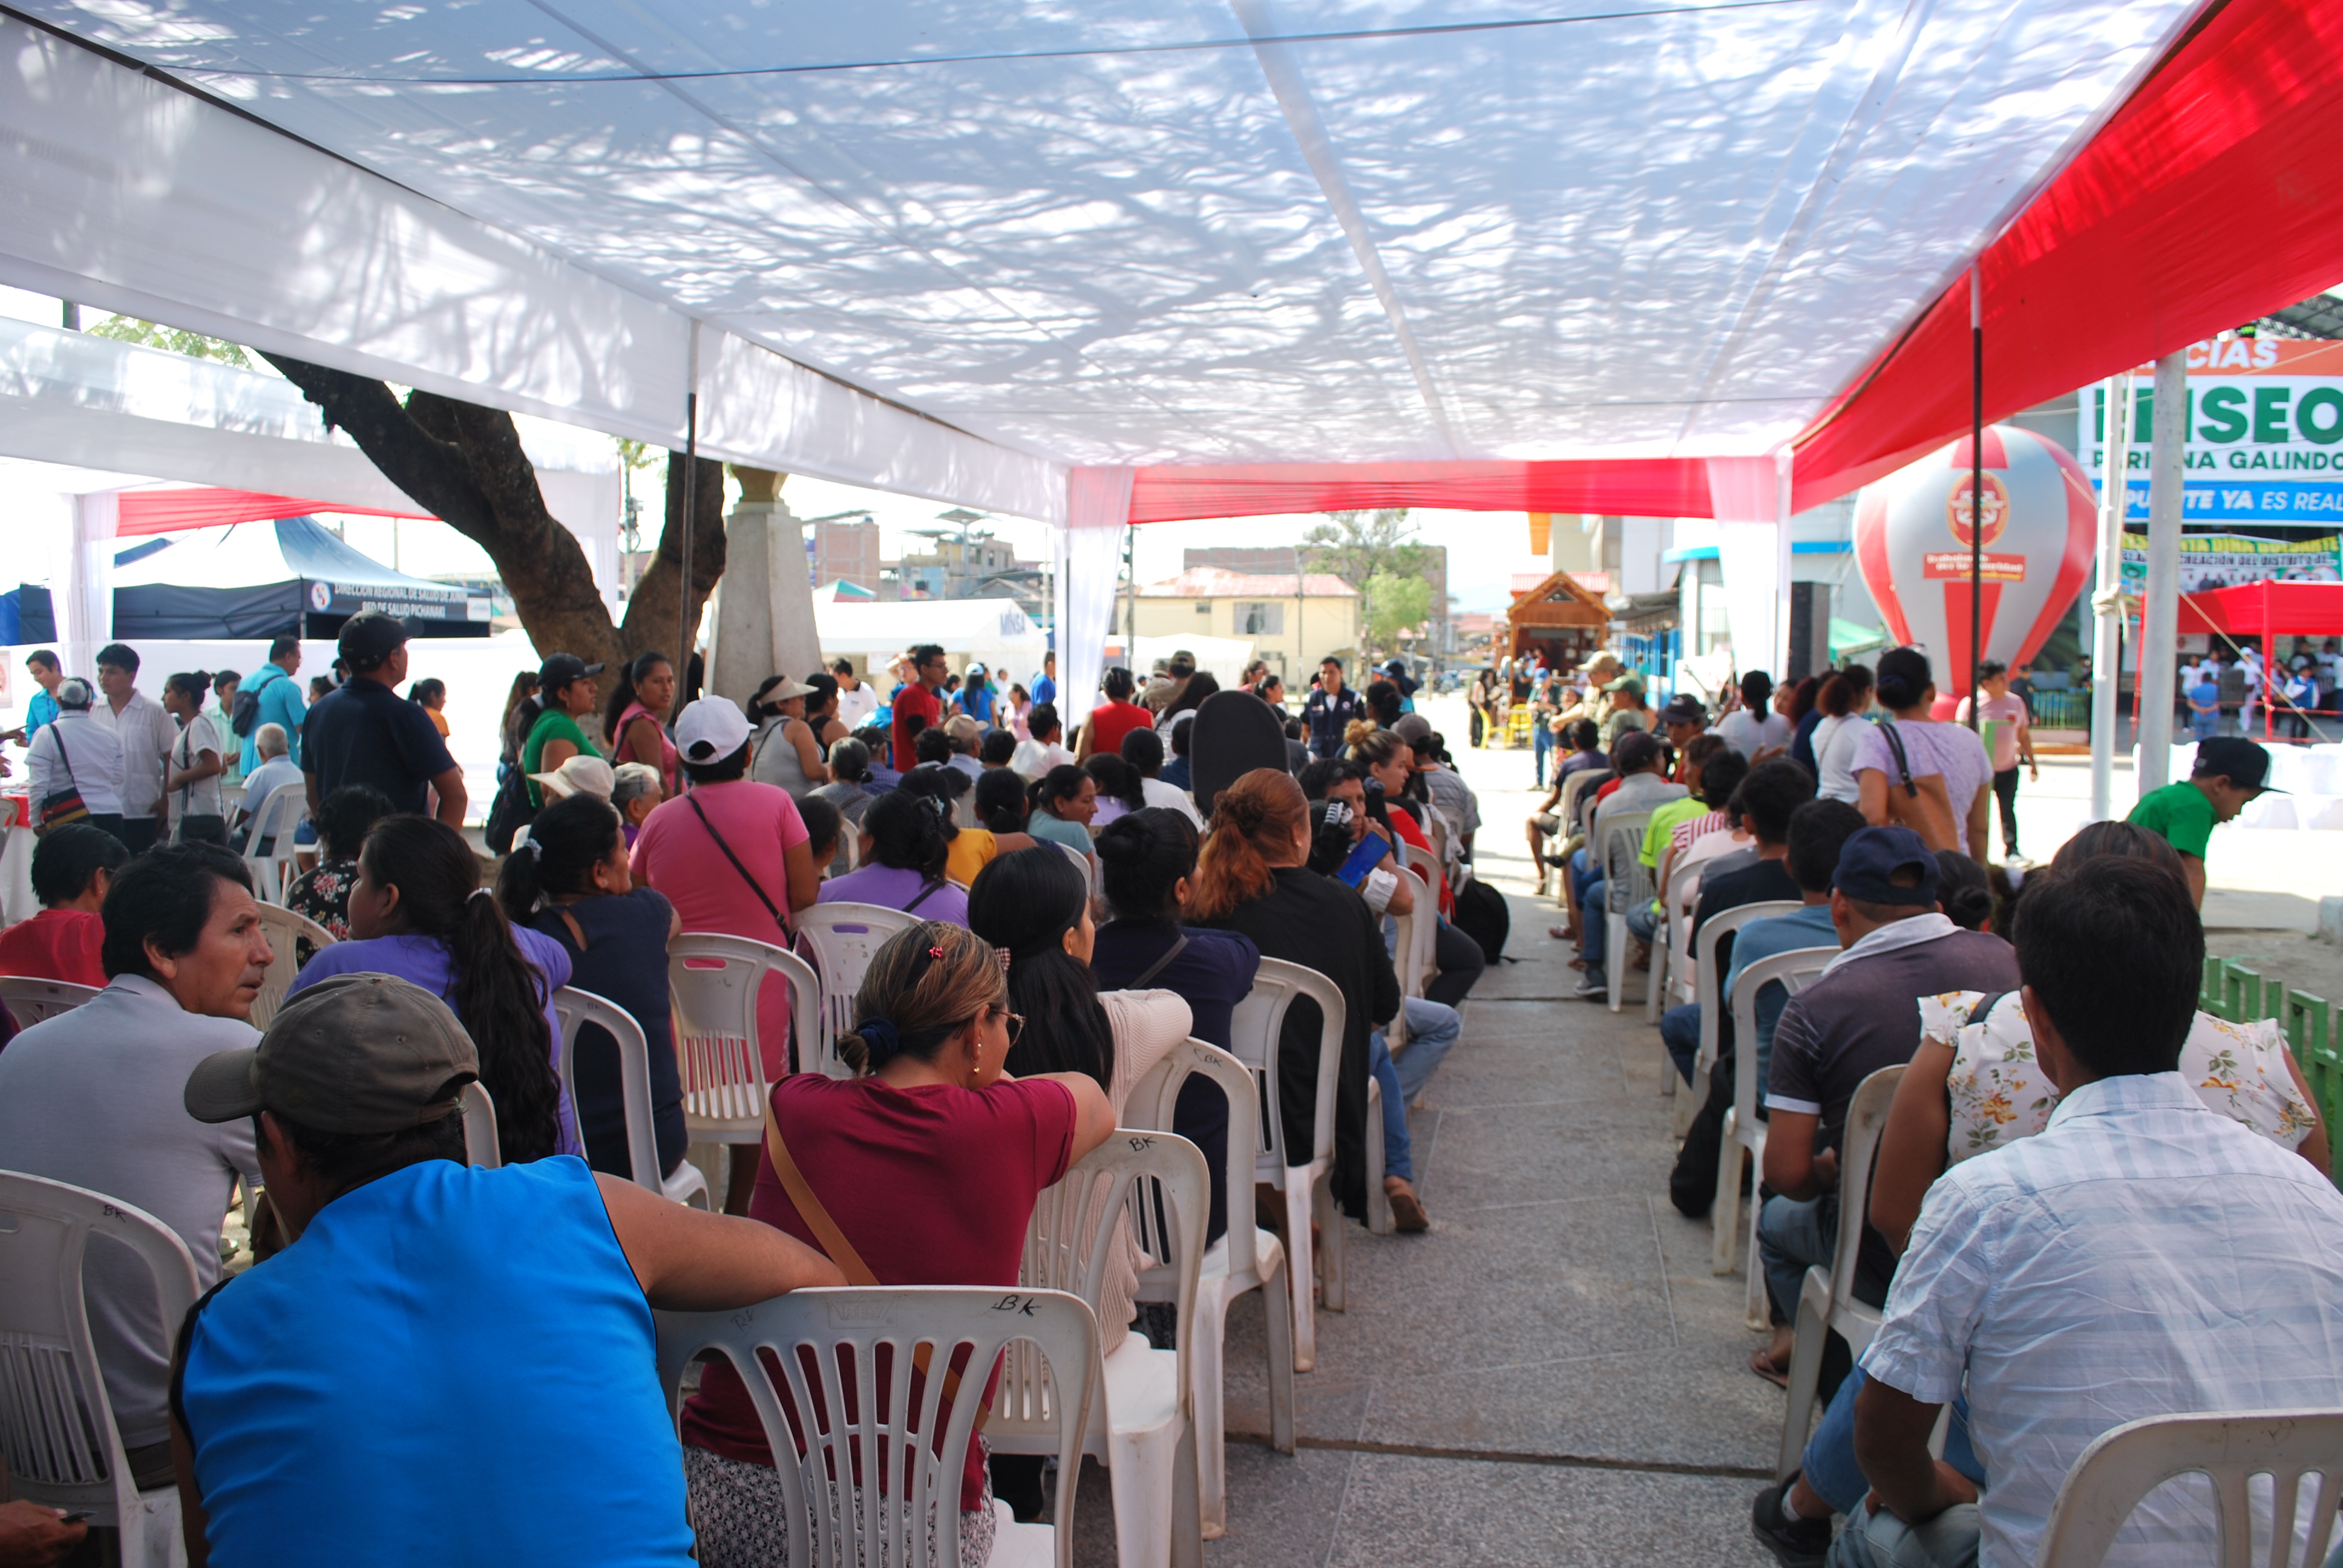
(710, 729)
(581, 775)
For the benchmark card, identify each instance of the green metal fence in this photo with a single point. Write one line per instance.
(2062, 709)
(2240, 993)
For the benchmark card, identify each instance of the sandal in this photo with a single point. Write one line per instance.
(1761, 1361)
(1407, 1211)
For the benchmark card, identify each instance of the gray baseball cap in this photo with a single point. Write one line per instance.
(357, 1053)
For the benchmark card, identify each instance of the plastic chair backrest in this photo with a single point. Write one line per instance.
(1628, 879)
(1795, 969)
(576, 1008)
(287, 808)
(1708, 986)
(284, 927)
(57, 1429)
(1866, 1119)
(1150, 1178)
(843, 939)
(826, 1342)
(1253, 1031)
(480, 1145)
(31, 1000)
(714, 981)
(1149, 1106)
(1422, 963)
(2129, 1462)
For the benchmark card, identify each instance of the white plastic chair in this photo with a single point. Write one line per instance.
(841, 938)
(835, 1512)
(287, 808)
(283, 928)
(714, 981)
(480, 1111)
(1627, 885)
(30, 1000)
(1826, 1300)
(1708, 991)
(1744, 1132)
(63, 1448)
(1139, 1426)
(576, 1008)
(1306, 1181)
(2127, 1462)
(1247, 1257)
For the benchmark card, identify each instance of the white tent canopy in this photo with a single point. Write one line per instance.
(991, 630)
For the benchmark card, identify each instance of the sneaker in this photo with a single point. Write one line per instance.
(1801, 1544)
(1592, 988)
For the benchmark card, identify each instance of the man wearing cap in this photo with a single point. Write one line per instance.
(92, 1098)
(1628, 712)
(1682, 718)
(2229, 771)
(1396, 671)
(446, 1364)
(1858, 1017)
(364, 732)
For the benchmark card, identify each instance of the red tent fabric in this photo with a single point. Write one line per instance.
(203, 506)
(2264, 609)
(1635, 486)
(2214, 196)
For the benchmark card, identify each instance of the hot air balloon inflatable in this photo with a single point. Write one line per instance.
(1911, 534)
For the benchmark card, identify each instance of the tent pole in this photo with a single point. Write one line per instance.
(683, 627)
(2106, 602)
(2160, 606)
(2270, 666)
(1976, 486)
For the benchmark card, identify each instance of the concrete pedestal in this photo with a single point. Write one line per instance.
(763, 622)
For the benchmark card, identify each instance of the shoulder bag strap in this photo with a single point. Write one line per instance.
(832, 1240)
(754, 886)
(927, 889)
(1984, 1008)
(1178, 945)
(1903, 764)
(63, 755)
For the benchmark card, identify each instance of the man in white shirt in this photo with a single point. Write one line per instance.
(856, 700)
(2144, 1255)
(1753, 728)
(146, 730)
(277, 769)
(92, 1097)
(74, 753)
(1034, 758)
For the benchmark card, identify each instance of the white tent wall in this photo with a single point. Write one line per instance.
(132, 196)
(991, 630)
(478, 672)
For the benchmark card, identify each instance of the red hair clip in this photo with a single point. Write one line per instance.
(935, 953)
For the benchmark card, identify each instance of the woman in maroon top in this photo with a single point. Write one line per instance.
(929, 1163)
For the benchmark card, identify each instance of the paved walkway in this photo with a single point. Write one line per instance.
(1551, 1376)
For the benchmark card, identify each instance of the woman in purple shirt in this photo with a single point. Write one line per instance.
(417, 910)
(903, 855)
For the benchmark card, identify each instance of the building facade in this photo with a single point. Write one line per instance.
(1294, 620)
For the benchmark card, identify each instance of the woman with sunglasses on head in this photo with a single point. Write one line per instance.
(926, 1166)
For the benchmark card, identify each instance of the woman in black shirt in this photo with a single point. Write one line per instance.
(1253, 878)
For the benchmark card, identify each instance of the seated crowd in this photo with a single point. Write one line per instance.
(2090, 1202)
(1079, 915)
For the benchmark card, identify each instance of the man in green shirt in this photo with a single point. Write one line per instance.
(2230, 770)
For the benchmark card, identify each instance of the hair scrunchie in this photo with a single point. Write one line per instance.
(881, 1039)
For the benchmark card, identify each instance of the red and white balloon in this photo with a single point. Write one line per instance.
(1912, 533)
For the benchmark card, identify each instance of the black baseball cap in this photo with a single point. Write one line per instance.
(1868, 861)
(1637, 749)
(1684, 709)
(357, 1053)
(2244, 763)
(560, 669)
(370, 637)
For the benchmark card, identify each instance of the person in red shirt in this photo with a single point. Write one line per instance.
(927, 1163)
(1117, 718)
(73, 867)
(917, 700)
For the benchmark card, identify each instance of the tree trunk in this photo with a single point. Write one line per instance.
(464, 465)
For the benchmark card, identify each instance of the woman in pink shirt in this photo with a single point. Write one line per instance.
(731, 856)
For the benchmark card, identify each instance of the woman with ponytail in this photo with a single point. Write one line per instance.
(571, 883)
(1253, 876)
(968, 851)
(902, 861)
(1002, 803)
(631, 719)
(1147, 864)
(927, 1164)
(1938, 785)
(419, 911)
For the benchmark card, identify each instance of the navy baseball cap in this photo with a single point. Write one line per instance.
(1637, 749)
(2243, 762)
(1868, 862)
(1684, 709)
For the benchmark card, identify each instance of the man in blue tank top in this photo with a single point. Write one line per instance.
(446, 1364)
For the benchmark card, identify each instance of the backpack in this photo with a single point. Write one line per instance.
(2233, 686)
(244, 716)
(1482, 914)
